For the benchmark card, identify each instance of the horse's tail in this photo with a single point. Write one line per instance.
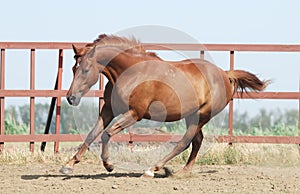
(245, 81)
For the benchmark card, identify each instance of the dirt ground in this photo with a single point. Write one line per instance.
(92, 178)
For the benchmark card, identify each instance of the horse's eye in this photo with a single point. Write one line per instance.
(84, 71)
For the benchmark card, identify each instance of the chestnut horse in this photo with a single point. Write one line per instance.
(142, 85)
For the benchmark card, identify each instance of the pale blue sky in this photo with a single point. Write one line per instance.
(256, 21)
(270, 21)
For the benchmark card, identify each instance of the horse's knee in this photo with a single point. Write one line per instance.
(105, 137)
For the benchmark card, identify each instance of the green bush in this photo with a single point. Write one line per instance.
(279, 129)
(12, 128)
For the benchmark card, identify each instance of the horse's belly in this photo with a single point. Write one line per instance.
(170, 109)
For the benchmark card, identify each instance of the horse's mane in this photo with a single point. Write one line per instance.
(129, 45)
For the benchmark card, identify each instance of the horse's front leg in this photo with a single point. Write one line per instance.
(68, 167)
(103, 120)
(126, 120)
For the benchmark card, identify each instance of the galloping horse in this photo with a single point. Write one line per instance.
(142, 85)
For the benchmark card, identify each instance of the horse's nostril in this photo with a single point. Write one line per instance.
(71, 99)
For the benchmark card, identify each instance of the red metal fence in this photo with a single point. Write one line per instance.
(58, 93)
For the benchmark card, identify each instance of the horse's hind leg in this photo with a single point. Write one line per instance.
(103, 120)
(196, 144)
(194, 135)
(126, 120)
(193, 129)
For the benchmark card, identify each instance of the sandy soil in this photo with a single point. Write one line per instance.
(92, 178)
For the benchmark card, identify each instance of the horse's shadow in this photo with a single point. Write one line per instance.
(80, 176)
(167, 173)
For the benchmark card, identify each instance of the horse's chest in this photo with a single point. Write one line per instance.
(123, 90)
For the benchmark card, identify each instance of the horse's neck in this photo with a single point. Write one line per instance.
(111, 78)
(115, 62)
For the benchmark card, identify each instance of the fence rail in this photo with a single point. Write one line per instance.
(58, 93)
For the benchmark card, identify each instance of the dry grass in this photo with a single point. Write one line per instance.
(145, 155)
(18, 153)
(252, 154)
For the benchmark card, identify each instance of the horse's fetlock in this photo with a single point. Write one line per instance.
(76, 159)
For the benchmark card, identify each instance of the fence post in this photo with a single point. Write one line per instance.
(101, 88)
(32, 87)
(58, 102)
(231, 102)
(2, 87)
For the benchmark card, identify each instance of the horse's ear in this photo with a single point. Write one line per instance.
(92, 51)
(101, 36)
(75, 49)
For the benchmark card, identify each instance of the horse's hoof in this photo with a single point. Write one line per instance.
(66, 170)
(109, 168)
(148, 174)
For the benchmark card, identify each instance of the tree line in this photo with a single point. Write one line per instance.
(81, 119)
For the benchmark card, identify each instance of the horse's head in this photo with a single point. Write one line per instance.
(86, 74)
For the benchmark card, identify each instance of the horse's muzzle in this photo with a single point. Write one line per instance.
(72, 100)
